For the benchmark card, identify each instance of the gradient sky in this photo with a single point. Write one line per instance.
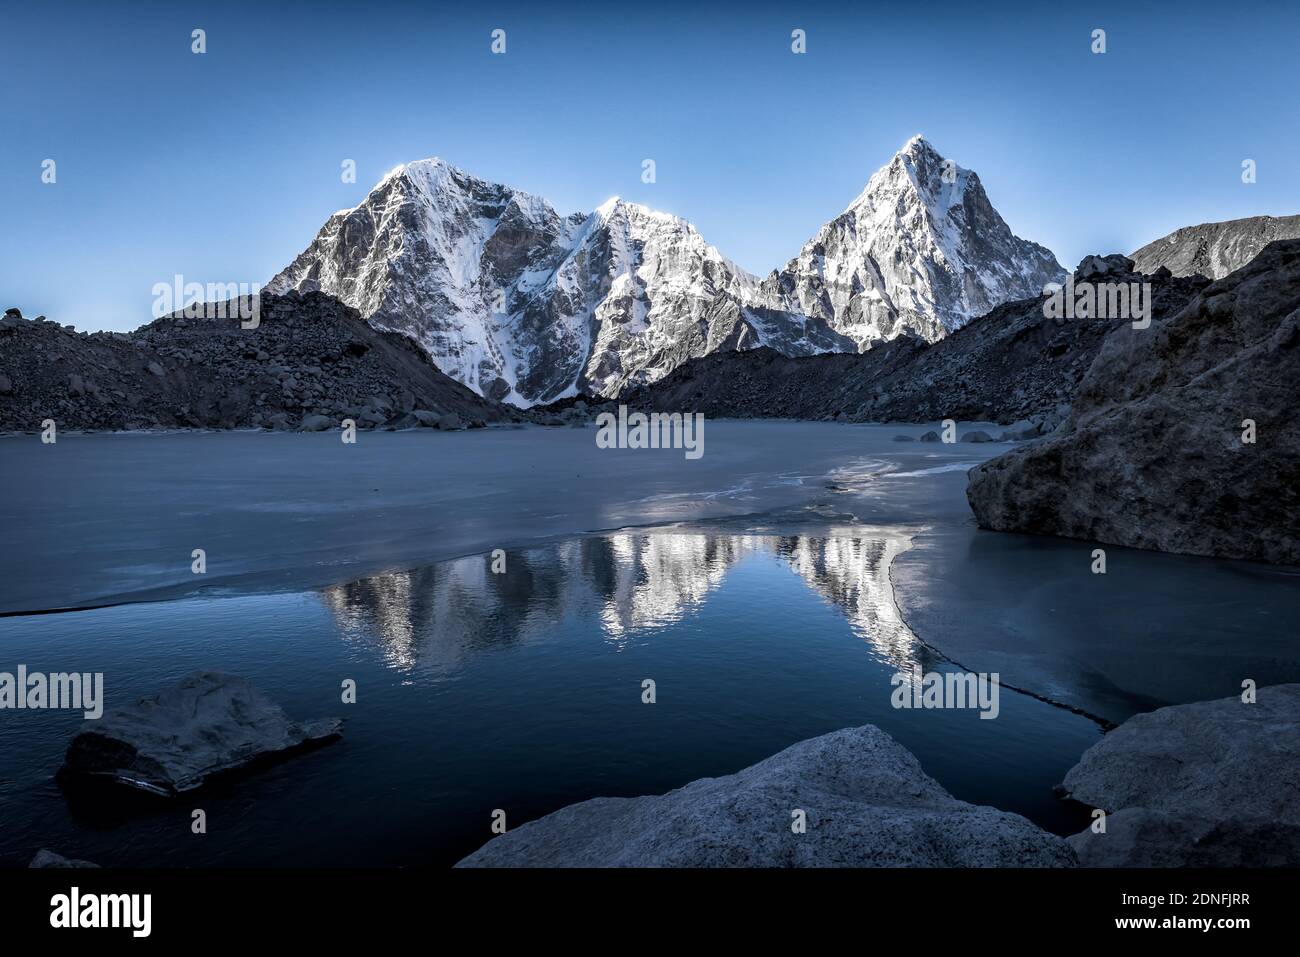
(222, 167)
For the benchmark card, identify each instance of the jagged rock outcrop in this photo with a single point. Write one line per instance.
(1215, 249)
(920, 252)
(1211, 784)
(1156, 451)
(308, 356)
(866, 800)
(1012, 364)
(174, 741)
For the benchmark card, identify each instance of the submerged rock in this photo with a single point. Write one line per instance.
(977, 435)
(46, 858)
(1181, 437)
(1211, 784)
(866, 800)
(175, 740)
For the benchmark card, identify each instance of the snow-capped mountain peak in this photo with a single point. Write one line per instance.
(525, 305)
(920, 250)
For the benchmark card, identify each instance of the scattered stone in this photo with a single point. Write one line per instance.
(904, 438)
(1022, 431)
(931, 436)
(315, 423)
(450, 422)
(176, 740)
(977, 435)
(1099, 267)
(403, 420)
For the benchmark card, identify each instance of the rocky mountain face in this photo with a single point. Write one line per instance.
(920, 252)
(526, 306)
(1012, 364)
(1215, 249)
(310, 363)
(1182, 435)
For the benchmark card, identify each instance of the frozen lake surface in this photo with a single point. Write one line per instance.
(770, 589)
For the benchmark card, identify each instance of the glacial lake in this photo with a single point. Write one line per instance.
(520, 691)
(770, 589)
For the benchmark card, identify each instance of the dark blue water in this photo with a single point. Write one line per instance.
(520, 691)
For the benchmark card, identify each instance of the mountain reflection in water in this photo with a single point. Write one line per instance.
(435, 619)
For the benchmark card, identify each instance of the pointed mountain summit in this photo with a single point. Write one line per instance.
(437, 254)
(920, 251)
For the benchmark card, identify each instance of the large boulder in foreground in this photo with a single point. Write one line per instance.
(174, 741)
(1211, 784)
(867, 801)
(1152, 455)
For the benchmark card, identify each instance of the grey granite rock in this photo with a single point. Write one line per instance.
(866, 800)
(1211, 784)
(175, 740)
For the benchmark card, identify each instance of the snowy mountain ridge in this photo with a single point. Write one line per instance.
(526, 306)
(920, 251)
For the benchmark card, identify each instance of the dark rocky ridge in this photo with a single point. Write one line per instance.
(1152, 455)
(1215, 249)
(310, 356)
(1011, 364)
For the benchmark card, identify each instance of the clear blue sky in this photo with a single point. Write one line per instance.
(222, 167)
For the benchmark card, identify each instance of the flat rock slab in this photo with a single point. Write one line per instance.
(867, 804)
(174, 741)
(1211, 784)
